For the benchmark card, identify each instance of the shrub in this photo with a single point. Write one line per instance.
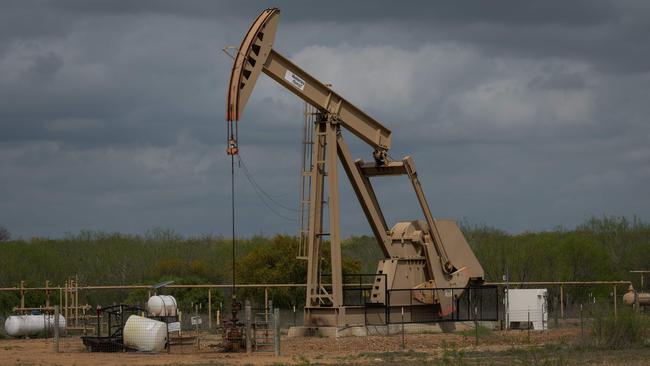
(628, 330)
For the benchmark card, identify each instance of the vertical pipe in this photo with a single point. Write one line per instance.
(22, 295)
(47, 294)
(65, 302)
(266, 303)
(84, 320)
(249, 339)
(76, 301)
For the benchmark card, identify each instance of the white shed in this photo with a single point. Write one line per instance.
(527, 308)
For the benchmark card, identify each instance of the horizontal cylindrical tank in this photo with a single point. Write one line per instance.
(28, 325)
(162, 305)
(144, 334)
(643, 297)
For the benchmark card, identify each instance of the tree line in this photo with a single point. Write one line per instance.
(604, 248)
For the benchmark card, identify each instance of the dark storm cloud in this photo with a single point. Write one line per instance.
(523, 115)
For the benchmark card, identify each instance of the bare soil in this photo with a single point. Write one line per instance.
(560, 346)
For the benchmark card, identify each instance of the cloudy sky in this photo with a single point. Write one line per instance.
(520, 115)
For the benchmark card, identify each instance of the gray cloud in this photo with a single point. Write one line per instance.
(520, 115)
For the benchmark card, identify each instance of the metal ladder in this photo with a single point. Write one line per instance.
(310, 115)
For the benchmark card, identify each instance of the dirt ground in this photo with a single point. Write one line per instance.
(499, 348)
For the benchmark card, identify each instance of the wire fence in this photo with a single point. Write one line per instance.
(200, 325)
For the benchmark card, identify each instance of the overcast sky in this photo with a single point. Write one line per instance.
(523, 115)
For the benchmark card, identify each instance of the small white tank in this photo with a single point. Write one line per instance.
(162, 305)
(28, 325)
(144, 334)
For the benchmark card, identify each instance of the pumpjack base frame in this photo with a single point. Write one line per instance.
(383, 330)
(351, 316)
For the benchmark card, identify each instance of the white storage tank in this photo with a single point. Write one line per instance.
(144, 334)
(29, 325)
(527, 308)
(162, 305)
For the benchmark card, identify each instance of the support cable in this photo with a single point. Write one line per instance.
(257, 187)
(260, 194)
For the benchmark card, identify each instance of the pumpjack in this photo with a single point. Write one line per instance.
(418, 255)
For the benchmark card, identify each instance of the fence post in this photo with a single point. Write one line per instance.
(56, 328)
(403, 341)
(582, 326)
(528, 334)
(276, 331)
(562, 301)
(22, 297)
(476, 324)
(46, 320)
(209, 308)
(248, 331)
(555, 312)
(615, 305)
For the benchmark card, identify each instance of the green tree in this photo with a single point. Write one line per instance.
(277, 263)
(4, 234)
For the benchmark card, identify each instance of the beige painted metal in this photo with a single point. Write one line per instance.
(418, 255)
(333, 202)
(632, 297)
(366, 196)
(315, 236)
(433, 228)
(256, 55)
(249, 60)
(322, 97)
